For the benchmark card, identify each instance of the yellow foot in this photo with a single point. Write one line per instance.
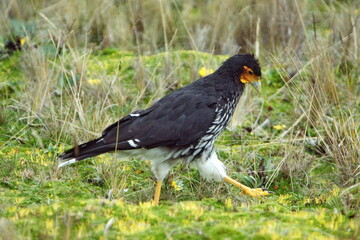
(157, 193)
(254, 192)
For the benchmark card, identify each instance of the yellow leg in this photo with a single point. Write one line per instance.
(254, 192)
(157, 192)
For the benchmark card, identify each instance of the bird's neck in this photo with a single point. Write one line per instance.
(233, 89)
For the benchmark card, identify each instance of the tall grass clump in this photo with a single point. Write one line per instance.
(86, 63)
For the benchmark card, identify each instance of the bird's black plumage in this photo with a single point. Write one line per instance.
(186, 122)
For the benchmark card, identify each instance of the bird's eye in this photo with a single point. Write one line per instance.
(248, 70)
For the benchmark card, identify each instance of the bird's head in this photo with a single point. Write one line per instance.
(244, 68)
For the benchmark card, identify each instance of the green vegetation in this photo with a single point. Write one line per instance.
(81, 71)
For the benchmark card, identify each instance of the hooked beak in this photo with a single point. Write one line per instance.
(257, 86)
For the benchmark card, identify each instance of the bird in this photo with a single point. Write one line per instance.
(181, 127)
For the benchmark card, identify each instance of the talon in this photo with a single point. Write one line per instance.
(255, 192)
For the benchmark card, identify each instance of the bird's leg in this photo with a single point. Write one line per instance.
(157, 192)
(254, 192)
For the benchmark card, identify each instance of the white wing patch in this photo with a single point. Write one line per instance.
(68, 162)
(132, 143)
(134, 114)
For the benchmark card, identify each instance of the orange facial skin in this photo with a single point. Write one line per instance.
(248, 76)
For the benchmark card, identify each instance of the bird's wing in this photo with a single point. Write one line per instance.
(178, 119)
(129, 118)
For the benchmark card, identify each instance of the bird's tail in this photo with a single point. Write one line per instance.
(86, 150)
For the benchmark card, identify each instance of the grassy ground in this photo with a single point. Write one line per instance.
(105, 197)
(72, 78)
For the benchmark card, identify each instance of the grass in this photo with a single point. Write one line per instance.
(80, 71)
(207, 219)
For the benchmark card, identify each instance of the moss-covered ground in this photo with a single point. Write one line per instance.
(105, 198)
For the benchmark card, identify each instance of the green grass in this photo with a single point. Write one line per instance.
(85, 64)
(38, 201)
(208, 219)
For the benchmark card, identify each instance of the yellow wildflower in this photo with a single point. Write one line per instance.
(175, 186)
(284, 199)
(94, 81)
(126, 168)
(279, 127)
(13, 151)
(49, 224)
(60, 148)
(307, 201)
(228, 203)
(335, 191)
(19, 200)
(205, 71)
(22, 41)
(23, 212)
